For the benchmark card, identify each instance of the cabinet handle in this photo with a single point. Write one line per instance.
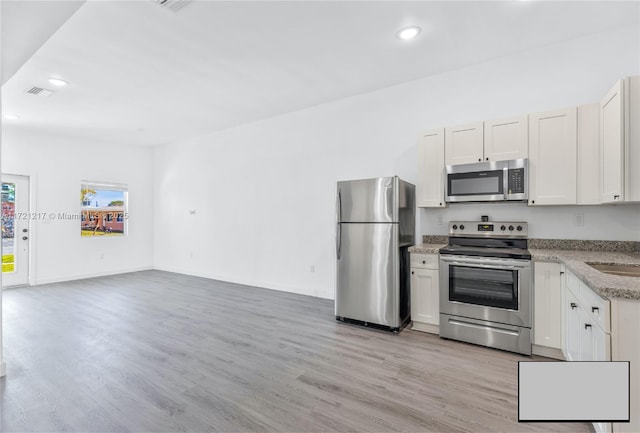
(561, 273)
(533, 202)
(424, 262)
(594, 309)
(616, 197)
(587, 326)
(479, 159)
(573, 305)
(487, 158)
(440, 203)
(412, 272)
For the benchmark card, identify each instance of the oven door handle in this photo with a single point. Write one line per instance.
(485, 263)
(476, 265)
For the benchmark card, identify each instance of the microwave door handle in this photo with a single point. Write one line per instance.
(505, 182)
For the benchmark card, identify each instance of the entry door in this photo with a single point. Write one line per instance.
(15, 230)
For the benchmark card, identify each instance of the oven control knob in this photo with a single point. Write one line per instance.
(461, 227)
(519, 228)
(510, 228)
(503, 228)
(455, 227)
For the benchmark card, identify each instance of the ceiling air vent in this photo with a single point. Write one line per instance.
(39, 91)
(174, 5)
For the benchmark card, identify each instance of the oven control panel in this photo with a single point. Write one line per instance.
(489, 229)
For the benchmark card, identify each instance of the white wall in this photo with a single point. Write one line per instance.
(57, 166)
(263, 193)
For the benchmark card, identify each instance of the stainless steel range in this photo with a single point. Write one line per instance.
(486, 285)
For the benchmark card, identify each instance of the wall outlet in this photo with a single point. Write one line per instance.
(579, 220)
(440, 220)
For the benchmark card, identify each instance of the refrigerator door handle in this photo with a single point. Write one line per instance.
(338, 227)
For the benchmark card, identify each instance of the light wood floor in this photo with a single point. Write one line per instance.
(156, 352)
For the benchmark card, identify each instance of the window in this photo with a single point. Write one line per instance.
(99, 203)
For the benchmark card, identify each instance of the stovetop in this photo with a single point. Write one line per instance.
(488, 239)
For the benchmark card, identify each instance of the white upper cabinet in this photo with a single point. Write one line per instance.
(589, 154)
(620, 142)
(430, 187)
(612, 145)
(553, 157)
(506, 139)
(464, 144)
(632, 155)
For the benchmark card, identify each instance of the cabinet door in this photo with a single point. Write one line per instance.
(572, 327)
(430, 188)
(601, 344)
(586, 330)
(547, 324)
(589, 154)
(553, 157)
(506, 139)
(612, 144)
(425, 305)
(463, 144)
(632, 143)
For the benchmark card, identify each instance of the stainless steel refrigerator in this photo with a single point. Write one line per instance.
(375, 228)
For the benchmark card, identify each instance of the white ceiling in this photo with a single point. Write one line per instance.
(26, 25)
(141, 74)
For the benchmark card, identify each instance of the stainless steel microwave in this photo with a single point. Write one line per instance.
(488, 181)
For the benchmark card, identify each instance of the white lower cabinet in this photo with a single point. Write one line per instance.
(587, 336)
(571, 347)
(586, 331)
(425, 301)
(547, 308)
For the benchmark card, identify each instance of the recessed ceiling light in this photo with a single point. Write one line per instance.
(57, 82)
(10, 116)
(409, 33)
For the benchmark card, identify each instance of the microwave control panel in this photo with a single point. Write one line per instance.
(516, 181)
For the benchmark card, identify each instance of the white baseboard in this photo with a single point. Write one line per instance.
(244, 281)
(64, 278)
(426, 327)
(3, 369)
(549, 352)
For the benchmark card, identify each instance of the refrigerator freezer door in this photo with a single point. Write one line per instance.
(367, 277)
(368, 200)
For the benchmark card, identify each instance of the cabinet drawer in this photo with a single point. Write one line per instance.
(595, 306)
(426, 261)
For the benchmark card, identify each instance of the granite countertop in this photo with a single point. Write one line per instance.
(608, 286)
(426, 248)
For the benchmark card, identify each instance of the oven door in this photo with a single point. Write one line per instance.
(490, 289)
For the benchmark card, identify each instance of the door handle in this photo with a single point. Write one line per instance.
(573, 305)
(338, 226)
(24, 230)
(587, 326)
(24, 238)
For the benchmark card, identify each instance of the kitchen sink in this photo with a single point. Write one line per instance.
(622, 270)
